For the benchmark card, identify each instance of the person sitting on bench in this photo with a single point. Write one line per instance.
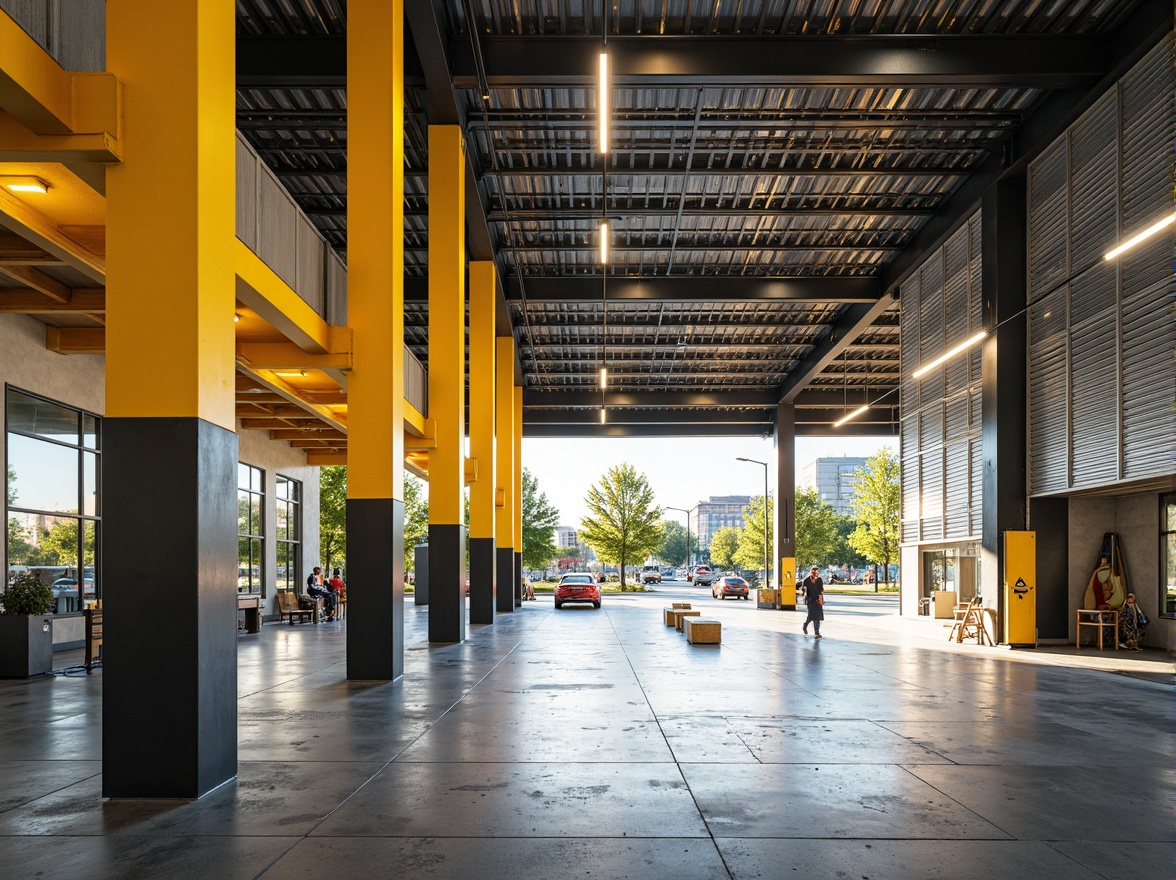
(314, 586)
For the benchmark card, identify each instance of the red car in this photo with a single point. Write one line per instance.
(730, 586)
(578, 587)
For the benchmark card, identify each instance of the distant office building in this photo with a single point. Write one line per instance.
(832, 478)
(708, 517)
(565, 536)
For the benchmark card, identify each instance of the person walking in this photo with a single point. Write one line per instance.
(814, 600)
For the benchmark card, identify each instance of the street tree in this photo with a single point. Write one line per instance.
(750, 552)
(624, 524)
(845, 553)
(540, 517)
(674, 550)
(416, 519)
(877, 502)
(816, 529)
(333, 515)
(724, 543)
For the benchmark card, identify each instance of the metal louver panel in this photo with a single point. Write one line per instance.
(1048, 394)
(911, 484)
(910, 433)
(955, 375)
(931, 427)
(1093, 182)
(931, 464)
(975, 293)
(977, 495)
(931, 308)
(1048, 213)
(955, 288)
(956, 418)
(1093, 293)
(1094, 389)
(957, 489)
(1149, 384)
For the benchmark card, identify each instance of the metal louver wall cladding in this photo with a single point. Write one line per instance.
(941, 478)
(1102, 376)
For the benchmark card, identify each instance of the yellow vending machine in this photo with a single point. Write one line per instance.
(1020, 589)
(787, 583)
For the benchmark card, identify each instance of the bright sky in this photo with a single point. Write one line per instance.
(682, 471)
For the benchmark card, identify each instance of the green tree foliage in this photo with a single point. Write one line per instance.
(416, 519)
(876, 503)
(816, 530)
(540, 518)
(624, 524)
(673, 548)
(333, 515)
(724, 543)
(845, 554)
(750, 552)
(10, 486)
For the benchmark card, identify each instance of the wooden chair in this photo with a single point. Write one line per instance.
(288, 609)
(969, 623)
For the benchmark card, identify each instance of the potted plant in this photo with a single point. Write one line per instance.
(26, 628)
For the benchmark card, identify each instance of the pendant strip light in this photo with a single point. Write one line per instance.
(948, 355)
(1142, 236)
(602, 102)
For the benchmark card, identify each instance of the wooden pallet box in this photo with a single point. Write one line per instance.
(701, 631)
(682, 615)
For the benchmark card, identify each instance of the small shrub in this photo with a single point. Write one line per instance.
(27, 595)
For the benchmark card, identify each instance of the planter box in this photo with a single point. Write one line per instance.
(26, 645)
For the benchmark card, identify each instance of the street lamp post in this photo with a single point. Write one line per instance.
(767, 554)
(687, 512)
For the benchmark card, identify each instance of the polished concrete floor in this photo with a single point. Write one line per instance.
(598, 744)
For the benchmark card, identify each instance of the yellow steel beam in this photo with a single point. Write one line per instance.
(278, 387)
(260, 289)
(288, 356)
(171, 214)
(375, 248)
(416, 424)
(446, 322)
(76, 340)
(518, 468)
(483, 295)
(504, 356)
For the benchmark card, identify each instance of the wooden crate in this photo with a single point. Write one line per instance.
(682, 615)
(671, 616)
(703, 632)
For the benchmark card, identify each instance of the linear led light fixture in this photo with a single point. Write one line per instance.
(948, 355)
(602, 103)
(853, 415)
(602, 415)
(603, 377)
(1142, 236)
(290, 373)
(604, 242)
(25, 184)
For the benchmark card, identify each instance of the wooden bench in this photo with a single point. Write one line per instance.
(682, 615)
(701, 631)
(670, 617)
(93, 638)
(250, 606)
(288, 608)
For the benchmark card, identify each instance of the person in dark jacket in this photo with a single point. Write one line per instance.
(316, 588)
(814, 599)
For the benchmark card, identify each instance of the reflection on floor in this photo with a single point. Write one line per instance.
(585, 743)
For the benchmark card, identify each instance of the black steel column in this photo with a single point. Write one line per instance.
(784, 517)
(375, 588)
(482, 584)
(518, 580)
(169, 591)
(504, 595)
(1003, 374)
(1050, 518)
(447, 615)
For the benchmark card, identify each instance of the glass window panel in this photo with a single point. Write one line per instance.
(1170, 516)
(22, 547)
(89, 484)
(1170, 572)
(243, 564)
(255, 477)
(89, 431)
(46, 475)
(255, 515)
(242, 512)
(280, 488)
(35, 416)
(242, 476)
(283, 512)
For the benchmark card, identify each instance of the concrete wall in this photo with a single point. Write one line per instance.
(79, 380)
(1136, 518)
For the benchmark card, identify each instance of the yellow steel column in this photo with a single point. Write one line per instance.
(447, 383)
(518, 487)
(375, 312)
(483, 290)
(504, 473)
(169, 441)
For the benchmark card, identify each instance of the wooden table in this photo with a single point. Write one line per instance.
(251, 605)
(1100, 620)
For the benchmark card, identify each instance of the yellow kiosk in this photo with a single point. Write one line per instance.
(787, 583)
(1020, 589)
